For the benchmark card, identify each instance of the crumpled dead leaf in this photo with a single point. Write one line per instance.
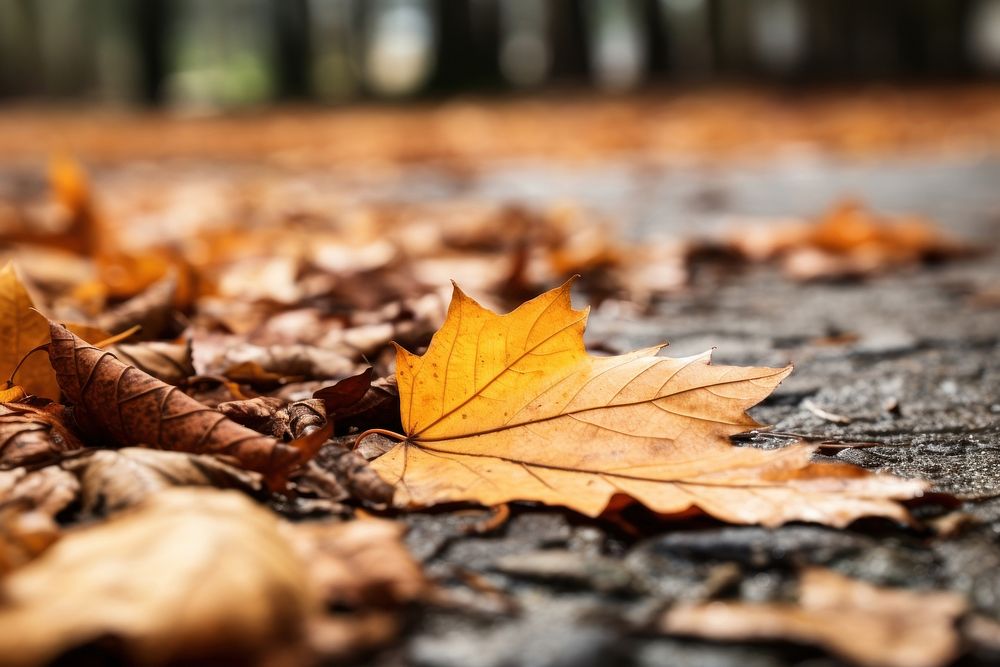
(151, 310)
(119, 402)
(358, 564)
(191, 574)
(361, 402)
(337, 467)
(114, 480)
(32, 435)
(170, 362)
(215, 355)
(862, 623)
(29, 503)
(208, 576)
(336, 473)
(363, 574)
(512, 407)
(256, 413)
(276, 417)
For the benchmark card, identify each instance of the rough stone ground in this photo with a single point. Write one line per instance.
(922, 379)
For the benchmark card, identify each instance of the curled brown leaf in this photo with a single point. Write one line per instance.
(119, 402)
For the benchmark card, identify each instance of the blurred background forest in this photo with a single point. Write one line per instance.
(229, 54)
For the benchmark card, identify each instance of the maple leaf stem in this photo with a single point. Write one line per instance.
(378, 431)
(10, 380)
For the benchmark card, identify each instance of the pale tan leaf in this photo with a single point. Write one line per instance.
(865, 624)
(29, 503)
(113, 480)
(192, 574)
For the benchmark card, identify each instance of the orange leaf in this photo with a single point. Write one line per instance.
(512, 407)
(21, 329)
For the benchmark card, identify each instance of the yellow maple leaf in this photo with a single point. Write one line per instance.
(511, 407)
(21, 330)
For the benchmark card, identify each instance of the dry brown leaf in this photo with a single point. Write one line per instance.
(362, 571)
(31, 435)
(255, 413)
(29, 503)
(349, 471)
(512, 407)
(358, 564)
(862, 623)
(341, 397)
(128, 407)
(214, 355)
(252, 373)
(275, 417)
(151, 309)
(113, 480)
(170, 362)
(361, 402)
(298, 418)
(48, 490)
(364, 575)
(190, 575)
(22, 329)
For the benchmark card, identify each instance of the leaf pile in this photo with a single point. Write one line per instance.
(198, 429)
(259, 602)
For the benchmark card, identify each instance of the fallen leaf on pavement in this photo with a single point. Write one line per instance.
(512, 407)
(862, 623)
